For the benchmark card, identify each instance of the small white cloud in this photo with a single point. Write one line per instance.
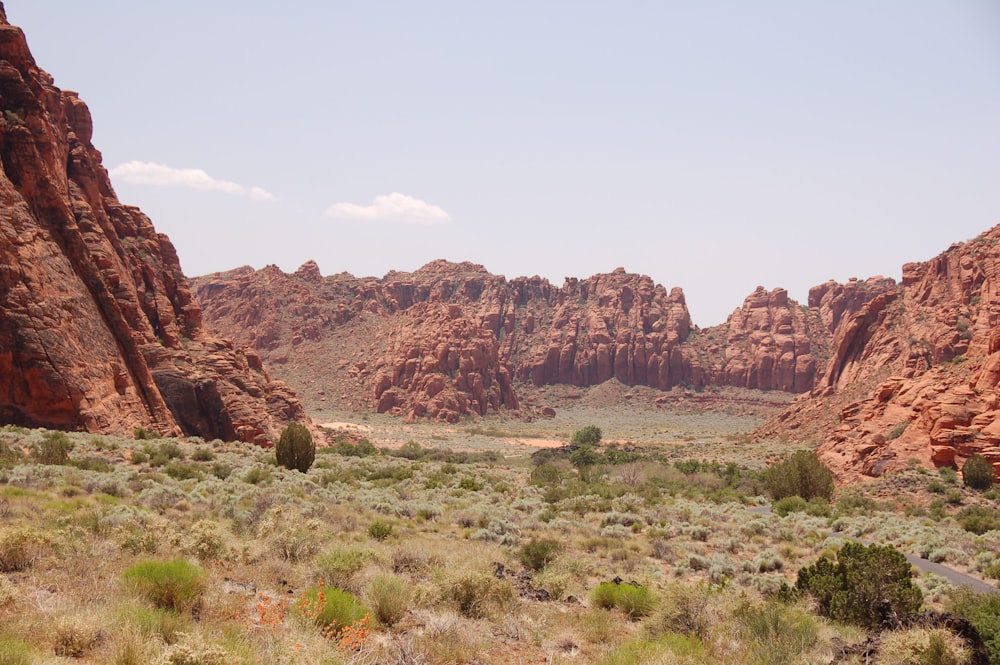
(151, 173)
(393, 207)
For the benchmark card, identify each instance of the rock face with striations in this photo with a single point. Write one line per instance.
(452, 339)
(914, 374)
(98, 327)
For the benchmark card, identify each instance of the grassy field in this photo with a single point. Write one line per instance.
(448, 544)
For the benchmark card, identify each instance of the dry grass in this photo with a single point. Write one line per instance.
(263, 536)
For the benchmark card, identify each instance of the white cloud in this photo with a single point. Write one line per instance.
(393, 207)
(151, 173)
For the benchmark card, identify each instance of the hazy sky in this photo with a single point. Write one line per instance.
(714, 145)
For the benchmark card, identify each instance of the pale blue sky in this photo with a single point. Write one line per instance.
(714, 145)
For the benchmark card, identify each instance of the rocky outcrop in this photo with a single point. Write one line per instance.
(337, 337)
(913, 376)
(98, 327)
(441, 364)
(616, 325)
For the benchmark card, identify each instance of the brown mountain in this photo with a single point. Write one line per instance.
(451, 339)
(98, 328)
(914, 373)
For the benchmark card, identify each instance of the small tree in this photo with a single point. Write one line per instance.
(295, 449)
(587, 436)
(866, 586)
(978, 473)
(801, 474)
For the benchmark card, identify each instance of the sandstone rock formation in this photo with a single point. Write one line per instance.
(365, 342)
(913, 377)
(98, 327)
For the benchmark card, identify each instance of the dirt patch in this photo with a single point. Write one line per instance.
(537, 443)
(354, 427)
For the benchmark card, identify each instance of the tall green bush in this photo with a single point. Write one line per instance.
(295, 449)
(635, 601)
(331, 609)
(978, 473)
(865, 586)
(586, 436)
(175, 585)
(801, 474)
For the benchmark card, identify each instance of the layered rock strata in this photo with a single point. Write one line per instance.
(98, 327)
(914, 373)
(337, 337)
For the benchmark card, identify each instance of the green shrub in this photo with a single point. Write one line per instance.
(897, 431)
(92, 463)
(295, 448)
(176, 585)
(142, 434)
(410, 450)
(978, 473)
(801, 474)
(470, 483)
(389, 596)
(587, 436)
(221, 470)
(865, 583)
(983, 610)
(549, 473)
(258, 475)
(789, 504)
(978, 519)
(336, 567)
(15, 652)
(363, 448)
(331, 609)
(584, 457)
(54, 448)
(182, 471)
(379, 529)
(635, 601)
(203, 454)
(538, 553)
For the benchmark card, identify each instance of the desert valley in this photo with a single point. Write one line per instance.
(452, 466)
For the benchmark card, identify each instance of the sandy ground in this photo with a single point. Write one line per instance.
(537, 443)
(348, 426)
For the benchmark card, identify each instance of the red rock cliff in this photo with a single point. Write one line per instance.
(338, 337)
(914, 373)
(98, 327)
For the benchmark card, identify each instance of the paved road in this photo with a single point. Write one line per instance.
(953, 576)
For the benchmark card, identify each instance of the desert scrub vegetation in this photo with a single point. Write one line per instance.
(475, 555)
